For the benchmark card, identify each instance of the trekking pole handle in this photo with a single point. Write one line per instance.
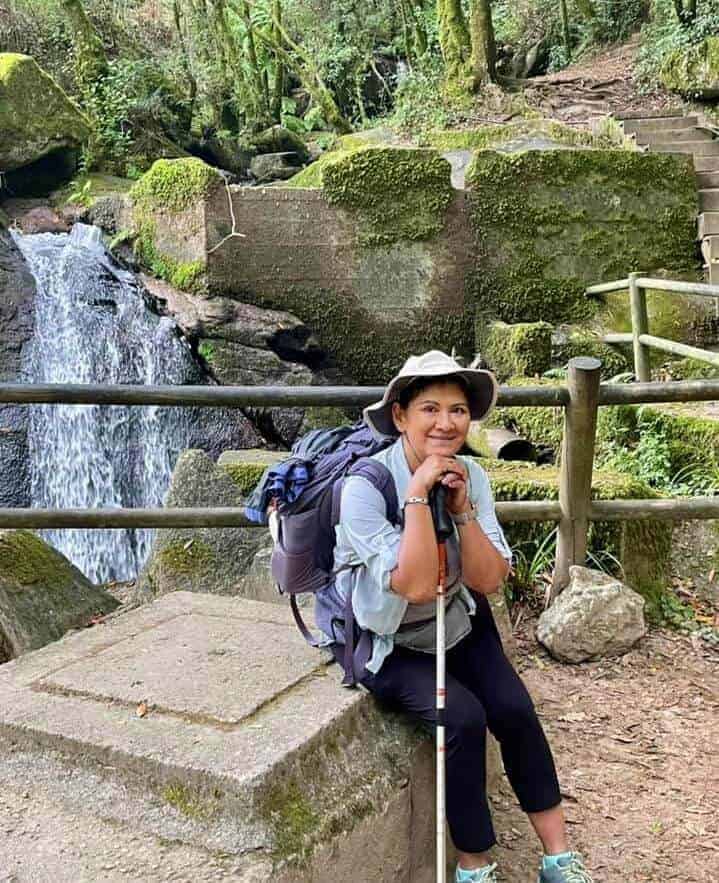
(443, 525)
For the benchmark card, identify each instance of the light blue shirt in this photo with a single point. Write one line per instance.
(367, 547)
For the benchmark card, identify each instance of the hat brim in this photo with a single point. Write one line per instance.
(483, 391)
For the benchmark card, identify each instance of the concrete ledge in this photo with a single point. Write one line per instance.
(248, 744)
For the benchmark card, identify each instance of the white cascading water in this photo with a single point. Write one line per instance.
(92, 326)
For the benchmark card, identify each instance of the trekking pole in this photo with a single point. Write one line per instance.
(443, 528)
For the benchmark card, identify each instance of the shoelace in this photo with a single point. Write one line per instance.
(487, 875)
(576, 872)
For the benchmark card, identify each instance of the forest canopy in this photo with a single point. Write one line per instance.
(169, 77)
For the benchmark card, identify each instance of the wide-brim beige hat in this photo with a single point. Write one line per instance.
(482, 389)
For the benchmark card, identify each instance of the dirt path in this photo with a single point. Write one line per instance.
(636, 742)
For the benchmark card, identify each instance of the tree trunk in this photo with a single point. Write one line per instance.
(565, 28)
(484, 50)
(278, 86)
(421, 41)
(454, 40)
(186, 60)
(90, 58)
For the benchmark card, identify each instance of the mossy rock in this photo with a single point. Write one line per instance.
(42, 594)
(36, 117)
(524, 348)
(547, 224)
(496, 135)
(397, 194)
(580, 342)
(693, 71)
(165, 195)
(278, 139)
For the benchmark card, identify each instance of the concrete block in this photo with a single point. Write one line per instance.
(698, 148)
(706, 163)
(708, 180)
(708, 224)
(710, 249)
(690, 133)
(709, 200)
(245, 742)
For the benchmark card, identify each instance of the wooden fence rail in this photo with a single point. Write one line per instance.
(573, 512)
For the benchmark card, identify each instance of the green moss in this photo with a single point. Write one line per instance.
(174, 185)
(312, 177)
(548, 223)
(642, 547)
(188, 801)
(293, 819)
(494, 135)
(26, 559)
(694, 70)
(693, 369)
(245, 475)
(35, 114)
(325, 417)
(521, 349)
(541, 425)
(170, 186)
(192, 556)
(101, 185)
(584, 343)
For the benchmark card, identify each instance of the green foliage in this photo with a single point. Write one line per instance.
(83, 196)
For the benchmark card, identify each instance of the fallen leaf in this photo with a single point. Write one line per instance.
(142, 709)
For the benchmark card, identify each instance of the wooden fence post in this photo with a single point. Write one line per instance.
(575, 476)
(640, 325)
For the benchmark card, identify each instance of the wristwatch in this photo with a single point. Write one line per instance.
(465, 517)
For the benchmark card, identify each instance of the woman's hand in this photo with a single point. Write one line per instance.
(447, 471)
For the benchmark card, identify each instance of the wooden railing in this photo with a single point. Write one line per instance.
(640, 338)
(580, 398)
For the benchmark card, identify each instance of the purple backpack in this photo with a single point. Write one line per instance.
(303, 556)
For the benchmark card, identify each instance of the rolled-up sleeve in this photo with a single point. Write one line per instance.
(369, 544)
(483, 501)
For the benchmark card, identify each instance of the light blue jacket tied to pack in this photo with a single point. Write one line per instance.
(367, 550)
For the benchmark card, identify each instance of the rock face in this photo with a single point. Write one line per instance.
(694, 71)
(596, 615)
(274, 167)
(42, 594)
(17, 294)
(211, 560)
(36, 117)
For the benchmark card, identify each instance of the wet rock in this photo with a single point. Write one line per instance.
(595, 616)
(42, 219)
(17, 296)
(278, 139)
(42, 594)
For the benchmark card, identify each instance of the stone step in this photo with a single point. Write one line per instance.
(690, 133)
(698, 148)
(708, 180)
(711, 273)
(708, 224)
(706, 163)
(709, 200)
(656, 123)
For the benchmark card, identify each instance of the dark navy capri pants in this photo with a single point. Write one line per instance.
(483, 691)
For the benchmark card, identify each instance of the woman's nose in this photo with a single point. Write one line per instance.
(444, 420)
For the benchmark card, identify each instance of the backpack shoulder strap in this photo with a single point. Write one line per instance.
(379, 476)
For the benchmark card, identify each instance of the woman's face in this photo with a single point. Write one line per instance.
(436, 421)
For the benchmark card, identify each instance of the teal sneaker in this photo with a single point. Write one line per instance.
(569, 869)
(480, 875)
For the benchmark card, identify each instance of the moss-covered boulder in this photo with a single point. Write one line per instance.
(42, 594)
(168, 219)
(212, 560)
(549, 223)
(37, 119)
(693, 71)
(543, 133)
(524, 348)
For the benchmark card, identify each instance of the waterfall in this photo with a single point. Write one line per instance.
(92, 326)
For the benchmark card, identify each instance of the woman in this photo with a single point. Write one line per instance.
(392, 574)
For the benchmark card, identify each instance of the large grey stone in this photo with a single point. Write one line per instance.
(274, 167)
(17, 311)
(211, 560)
(42, 594)
(595, 616)
(245, 742)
